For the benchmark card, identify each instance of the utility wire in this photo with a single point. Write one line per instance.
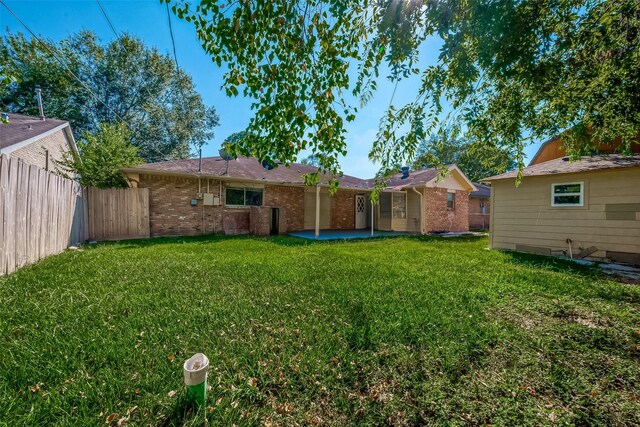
(146, 89)
(64, 64)
(173, 42)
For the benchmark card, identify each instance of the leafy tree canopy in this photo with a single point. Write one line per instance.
(515, 71)
(102, 154)
(476, 160)
(132, 84)
(311, 160)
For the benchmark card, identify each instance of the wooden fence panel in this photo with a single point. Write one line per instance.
(37, 212)
(117, 213)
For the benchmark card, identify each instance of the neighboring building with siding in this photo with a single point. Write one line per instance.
(479, 207)
(585, 209)
(240, 196)
(39, 142)
(553, 149)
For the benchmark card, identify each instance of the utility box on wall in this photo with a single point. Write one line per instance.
(207, 199)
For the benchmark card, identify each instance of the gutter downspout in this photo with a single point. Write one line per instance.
(317, 230)
(421, 209)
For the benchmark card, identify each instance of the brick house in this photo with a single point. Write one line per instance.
(241, 196)
(480, 207)
(37, 141)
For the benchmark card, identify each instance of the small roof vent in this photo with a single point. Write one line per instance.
(267, 165)
(405, 172)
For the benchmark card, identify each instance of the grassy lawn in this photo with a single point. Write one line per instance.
(399, 331)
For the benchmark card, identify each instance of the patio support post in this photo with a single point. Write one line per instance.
(317, 231)
(372, 205)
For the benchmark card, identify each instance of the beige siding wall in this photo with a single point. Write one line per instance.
(34, 153)
(524, 215)
(310, 209)
(413, 212)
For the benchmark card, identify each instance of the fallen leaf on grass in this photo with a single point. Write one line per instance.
(170, 358)
(110, 418)
(172, 393)
(296, 331)
(35, 388)
(253, 382)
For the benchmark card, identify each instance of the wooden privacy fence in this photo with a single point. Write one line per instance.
(118, 213)
(41, 214)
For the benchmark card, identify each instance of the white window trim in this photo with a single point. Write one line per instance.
(244, 198)
(562, 205)
(454, 200)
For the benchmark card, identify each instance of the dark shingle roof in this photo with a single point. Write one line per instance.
(484, 191)
(249, 168)
(21, 128)
(244, 168)
(564, 165)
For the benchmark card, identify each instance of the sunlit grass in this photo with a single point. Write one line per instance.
(400, 331)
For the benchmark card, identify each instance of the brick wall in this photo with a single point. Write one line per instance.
(343, 210)
(170, 210)
(171, 213)
(291, 200)
(34, 153)
(439, 217)
(476, 219)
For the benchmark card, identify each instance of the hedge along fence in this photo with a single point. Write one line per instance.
(41, 214)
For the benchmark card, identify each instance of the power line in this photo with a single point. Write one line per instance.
(107, 18)
(163, 156)
(173, 42)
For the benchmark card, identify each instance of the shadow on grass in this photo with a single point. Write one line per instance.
(184, 411)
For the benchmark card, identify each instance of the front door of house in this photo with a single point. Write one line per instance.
(361, 212)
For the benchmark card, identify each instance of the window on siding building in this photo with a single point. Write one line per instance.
(567, 194)
(451, 200)
(243, 197)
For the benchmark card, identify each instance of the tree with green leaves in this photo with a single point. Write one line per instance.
(312, 160)
(121, 81)
(102, 154)
(476, 160)
(512, 71)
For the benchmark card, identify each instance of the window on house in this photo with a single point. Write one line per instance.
(399, 205)
(451, 200)
(567, 194)
(243, 197)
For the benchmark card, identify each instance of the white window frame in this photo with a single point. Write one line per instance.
(568, 205)
(452, 208)
(244, 197)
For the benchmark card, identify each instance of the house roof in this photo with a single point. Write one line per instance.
(243, 168)
(564, 165)
(483, 192)
(250, 169)
(24, 128)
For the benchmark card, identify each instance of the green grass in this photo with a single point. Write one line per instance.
(399, 331)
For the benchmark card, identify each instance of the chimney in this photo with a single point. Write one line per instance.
(39, 96)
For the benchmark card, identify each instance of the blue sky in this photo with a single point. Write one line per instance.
(148, 21)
